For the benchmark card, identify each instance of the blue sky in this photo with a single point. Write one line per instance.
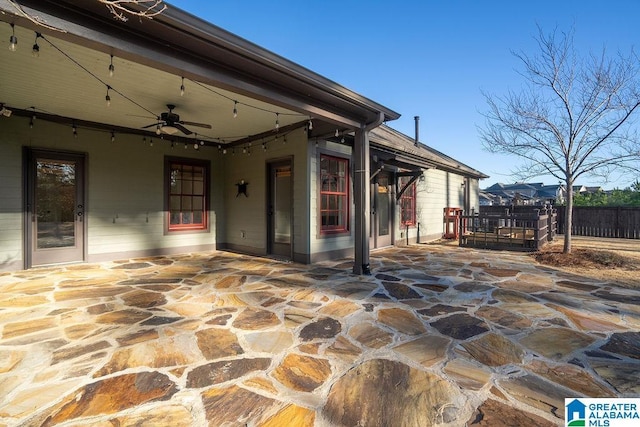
(425, 57)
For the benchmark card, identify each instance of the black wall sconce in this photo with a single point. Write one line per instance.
(242, 188)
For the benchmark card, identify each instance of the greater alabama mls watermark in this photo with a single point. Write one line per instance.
(592, 412)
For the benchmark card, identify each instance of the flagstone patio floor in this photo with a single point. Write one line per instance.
(437, 335)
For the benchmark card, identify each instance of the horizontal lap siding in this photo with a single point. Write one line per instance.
(11, 230)
(124, 187)
(440, 189)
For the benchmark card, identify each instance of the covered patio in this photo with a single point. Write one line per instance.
(437, 335)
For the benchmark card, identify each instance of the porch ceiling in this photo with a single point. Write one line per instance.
(52, 83)
(70, 76)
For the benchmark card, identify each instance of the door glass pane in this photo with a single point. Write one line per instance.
(282, 208)
(55, 200)
(383, 206)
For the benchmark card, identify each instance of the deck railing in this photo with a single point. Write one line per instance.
(527, 231)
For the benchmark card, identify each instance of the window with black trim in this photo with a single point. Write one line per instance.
(334, 194)
(407, 202)
(186, 194)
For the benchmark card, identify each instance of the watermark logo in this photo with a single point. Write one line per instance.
(601, 412)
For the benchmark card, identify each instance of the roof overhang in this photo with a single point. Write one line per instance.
(180, 44)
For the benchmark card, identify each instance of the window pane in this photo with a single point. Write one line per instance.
(186, 217)
(198, 203)
(174, 203)
(175, 217)
(186, 203)
(187, 187)
(186, 200)
(334, 194)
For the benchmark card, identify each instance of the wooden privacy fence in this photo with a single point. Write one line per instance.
(595, 221)
(505, 229)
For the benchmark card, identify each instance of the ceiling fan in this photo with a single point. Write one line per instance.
(170, 123)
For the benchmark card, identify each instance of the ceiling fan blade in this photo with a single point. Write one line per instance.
(148, 126)
(182, 128)
(201, 125)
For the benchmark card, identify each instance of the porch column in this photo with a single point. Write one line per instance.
(362, 196)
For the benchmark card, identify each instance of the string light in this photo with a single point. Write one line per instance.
(13, 40)
(185, 145)
(150, 142)
(310, 124)
(144, 140)
(74, 129)
(113, 136)
(182, 87)
(35, 51)
(342, 139)
(109, 89)
(337, 134)
(108, 98)
(196, 146)
(264, 146)
(33, 118)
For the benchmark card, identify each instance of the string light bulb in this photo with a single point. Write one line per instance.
(112, 69)
(108, 98)
(277, 121)
(224, 151)
(337, 134)
(235, 109)
(182, 87)
(35, 51)
(113, 136)
(185, 145)
(74, 130)
(13, 40)
(310, 125)
(158, 129)
(196, 146)
(150, 142)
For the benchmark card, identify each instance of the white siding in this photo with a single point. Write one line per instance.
(125, 189)
(248, 215)
(439, 189)
(11, 227)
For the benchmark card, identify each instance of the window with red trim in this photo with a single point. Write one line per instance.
(187, 194)
(334, 194)
(407, 202)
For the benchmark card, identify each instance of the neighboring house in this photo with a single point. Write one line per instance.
(100, 159)
(522, 193)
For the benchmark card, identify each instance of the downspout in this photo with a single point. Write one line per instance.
(362, 196)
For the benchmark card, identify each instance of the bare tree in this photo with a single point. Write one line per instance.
(573, 117)
(122, 9)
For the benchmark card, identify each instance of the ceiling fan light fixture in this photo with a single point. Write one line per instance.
(169, 130)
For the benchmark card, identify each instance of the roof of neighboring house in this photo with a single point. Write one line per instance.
(402, 148)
